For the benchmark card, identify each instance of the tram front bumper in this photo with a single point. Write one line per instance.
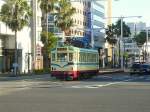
(62, 74)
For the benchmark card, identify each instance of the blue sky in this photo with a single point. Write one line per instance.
(132, 8)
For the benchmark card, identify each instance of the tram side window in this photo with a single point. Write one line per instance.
(80, 57)
(70, 56)
(84, 57)
(62, 57)
(96, 58)
(86, 60)
(90, 57)
(53, 56)
(94, 55)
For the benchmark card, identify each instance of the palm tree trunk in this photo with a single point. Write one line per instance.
(112, 56)
(46, 60)
(15, 61)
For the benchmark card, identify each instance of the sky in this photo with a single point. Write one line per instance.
(132, 8)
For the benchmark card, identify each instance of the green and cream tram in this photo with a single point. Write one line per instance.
(70, 62)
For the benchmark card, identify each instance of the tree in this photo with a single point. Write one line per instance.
(126, 56)
(114, 31)
(16, 14)
(51, 40)
(47, 6)
(126, 29)
(111, 39)
(63, 19)
(111, 35)
(140, 38)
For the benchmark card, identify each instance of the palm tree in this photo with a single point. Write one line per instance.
(111, 39)
(16, 14)
(47, 6)
(110, 35)
(63, 19)
(126, 29)
(52, 40)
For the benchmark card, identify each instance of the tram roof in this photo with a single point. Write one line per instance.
(76, 48)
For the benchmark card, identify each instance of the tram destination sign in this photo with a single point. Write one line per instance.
(61, 49)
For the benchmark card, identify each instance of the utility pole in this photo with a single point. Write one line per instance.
(121, 38)
(121, 42)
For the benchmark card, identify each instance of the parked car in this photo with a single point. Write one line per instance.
(135, 68)
(145, 69)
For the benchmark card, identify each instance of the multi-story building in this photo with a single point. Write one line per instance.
(88, 22)
(97, 24)
(7, 44)
(27, 41)
(135, 28)
(79, 18)
(109, 22)
(130, 47)
(109, 12)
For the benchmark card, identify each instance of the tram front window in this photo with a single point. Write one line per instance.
(62, 57)
(70, 56)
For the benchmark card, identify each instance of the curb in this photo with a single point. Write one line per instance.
(10, 78)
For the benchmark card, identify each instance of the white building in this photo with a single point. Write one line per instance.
(130, 47)
(136, 28)
(145, 52)
(27, 40)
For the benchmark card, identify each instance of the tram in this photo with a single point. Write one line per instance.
(72, 63)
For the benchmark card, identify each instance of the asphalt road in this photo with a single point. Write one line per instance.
(105, 93)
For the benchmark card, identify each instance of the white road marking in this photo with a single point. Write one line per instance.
(98, 86)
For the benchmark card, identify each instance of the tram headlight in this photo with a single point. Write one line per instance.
(52, 68)
(71, 68)
(70, 73)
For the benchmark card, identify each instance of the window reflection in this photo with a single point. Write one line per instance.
(62, 57)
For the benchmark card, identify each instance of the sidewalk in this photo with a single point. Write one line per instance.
(9, 77)
(27, 77)
(110, 70)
